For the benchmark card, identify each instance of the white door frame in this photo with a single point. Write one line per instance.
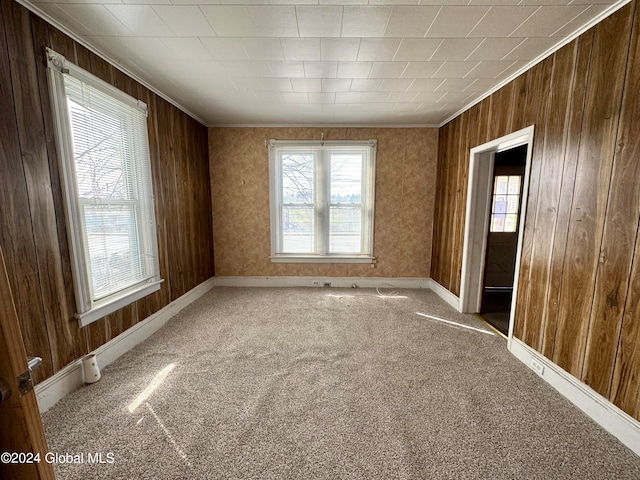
(477, 218)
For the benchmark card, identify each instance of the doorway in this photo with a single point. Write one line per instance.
(480, 206)
(502, 238)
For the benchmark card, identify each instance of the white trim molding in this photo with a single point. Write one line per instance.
(340, 282)
(70, 377)
(618, 423)
(445, 294)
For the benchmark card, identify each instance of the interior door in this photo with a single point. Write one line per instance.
(502, 238)
(21, 432)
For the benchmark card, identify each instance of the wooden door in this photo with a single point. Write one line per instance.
(21, 430)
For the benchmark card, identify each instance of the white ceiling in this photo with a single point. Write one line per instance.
(346, 62)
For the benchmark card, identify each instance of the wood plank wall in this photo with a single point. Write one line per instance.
(579, 297)
(32, 222)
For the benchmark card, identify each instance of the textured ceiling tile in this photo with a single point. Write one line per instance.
(365, 85)
(96, 19)
(320, 69)
(185, 48)
(455, 49)
(287, 69)
(375, 97)
(501, 21)
(387, 69)
(306, 84)
(490, 69)
(577, 23)
(336, 85)
(295, 97)
(456, 21)
(425, 84)
(422, 69)
(455, 84)
(185, 21)
(455, 69)
(417, 49)
(348, 97)
(530, 48)
(342, 49)
(319, 21)
(263, 48)
(225, 48)
(380, 49)
(547, 20)
(140, 19)
(396, 84)
(407, 21)
(402, 97)
(365, 21)
(354, 69)
(301, 48)
(494, 48)
(322, 97)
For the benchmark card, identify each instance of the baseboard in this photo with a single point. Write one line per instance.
(445, 294)
(621, 425)
(340, 282)
(70, 378)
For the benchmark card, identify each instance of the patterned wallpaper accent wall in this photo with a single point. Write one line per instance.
(405, 193)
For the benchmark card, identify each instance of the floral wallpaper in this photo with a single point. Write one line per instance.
(405, 193)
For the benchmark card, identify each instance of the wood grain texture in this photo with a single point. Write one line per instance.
(578, 264)
(550, 315)
(16, 235)
(32, 220)
(22, 429)
(620, 232)
(591, 188)
(544, 218)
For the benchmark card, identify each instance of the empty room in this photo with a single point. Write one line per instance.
(317, 239)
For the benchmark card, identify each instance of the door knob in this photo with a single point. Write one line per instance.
(5, 390)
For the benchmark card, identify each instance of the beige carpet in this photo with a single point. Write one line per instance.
(327, 383)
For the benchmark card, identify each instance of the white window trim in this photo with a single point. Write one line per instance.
(88, 310)
(275, 193)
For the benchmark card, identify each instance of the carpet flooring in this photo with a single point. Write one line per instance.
(327, 383)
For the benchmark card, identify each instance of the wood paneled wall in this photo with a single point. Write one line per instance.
(32, 223)
(579, 297)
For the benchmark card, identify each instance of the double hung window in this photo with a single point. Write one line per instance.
(106, 176)
(322, 201)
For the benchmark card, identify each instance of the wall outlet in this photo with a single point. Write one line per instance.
(316, 283)
(537, 366)
(326, 284)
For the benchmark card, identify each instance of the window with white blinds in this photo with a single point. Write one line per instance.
(105, 170)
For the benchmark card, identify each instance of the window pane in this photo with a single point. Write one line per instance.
(346, 178)
(511, 223)
(514, 185)
(112, 238)
(297, 177)
(99, 150)
(501, 185)
(497, 223)
(512, 203)
(499, 204)
(298, 229)
(345, 230)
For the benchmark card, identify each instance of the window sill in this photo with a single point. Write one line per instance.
(292, 258)
(101, 309)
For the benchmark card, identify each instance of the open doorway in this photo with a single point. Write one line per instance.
(502, 238)
(480, 207)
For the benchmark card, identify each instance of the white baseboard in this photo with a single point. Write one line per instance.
(70, 378)
(621, 425)
(341, 282)
(445, 294)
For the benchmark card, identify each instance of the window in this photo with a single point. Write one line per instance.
(322, 198)
(506, 203)
(106, 176)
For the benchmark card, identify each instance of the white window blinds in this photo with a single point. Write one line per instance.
(107, 177)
